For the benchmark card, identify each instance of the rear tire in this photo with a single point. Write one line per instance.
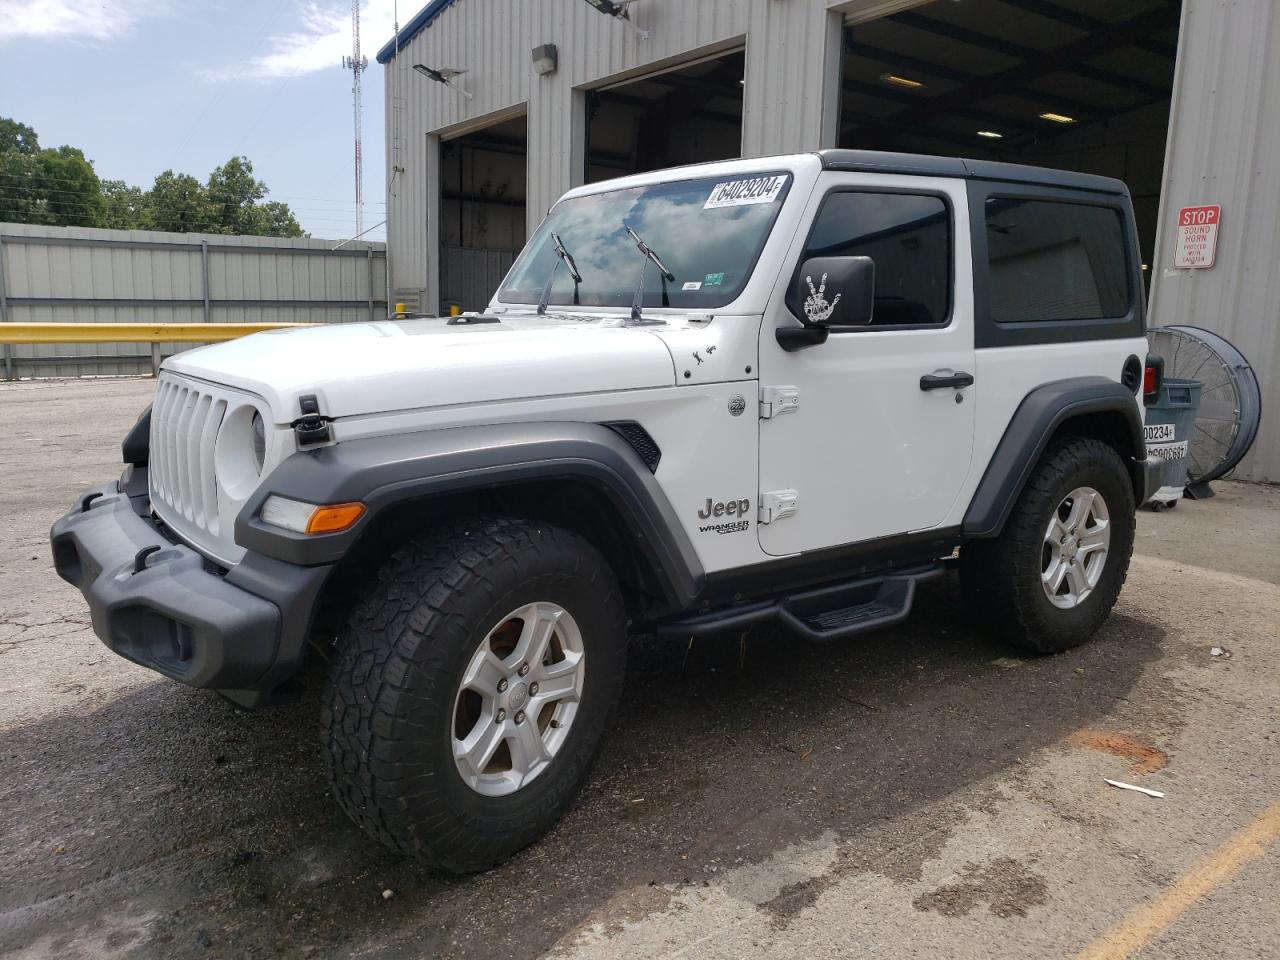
(1052, 576)
(433, 654)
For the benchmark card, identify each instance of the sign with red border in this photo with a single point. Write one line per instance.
(1196, 245)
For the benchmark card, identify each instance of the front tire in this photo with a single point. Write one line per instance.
(470, 689)
(1052, 576)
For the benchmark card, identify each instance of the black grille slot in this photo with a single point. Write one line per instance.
(640, 441)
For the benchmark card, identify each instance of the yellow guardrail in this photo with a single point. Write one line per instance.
(13, 333)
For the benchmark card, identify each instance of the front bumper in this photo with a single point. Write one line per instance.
(160, 604)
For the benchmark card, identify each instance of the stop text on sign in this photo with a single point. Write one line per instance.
(1196, 245)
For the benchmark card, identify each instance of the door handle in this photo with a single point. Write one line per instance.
(937, 381)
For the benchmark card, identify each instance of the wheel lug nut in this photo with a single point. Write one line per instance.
(502, 716)
(502, 686)
(533, 688)
(519, 717)
(524, 669)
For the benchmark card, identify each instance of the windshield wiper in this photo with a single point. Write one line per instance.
(649, 257)
(566, 258)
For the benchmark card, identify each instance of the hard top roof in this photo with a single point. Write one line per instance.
(912, 164)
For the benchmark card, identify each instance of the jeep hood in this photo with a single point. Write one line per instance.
(363, 368)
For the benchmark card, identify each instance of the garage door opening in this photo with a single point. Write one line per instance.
(690, 115)
(1078, 84)
(483, 177)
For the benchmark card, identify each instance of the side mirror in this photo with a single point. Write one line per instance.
(829, 292)
(837, 291)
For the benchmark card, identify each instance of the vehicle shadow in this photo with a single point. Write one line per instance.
(166, 823)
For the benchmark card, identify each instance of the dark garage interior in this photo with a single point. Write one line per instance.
(1077, 84)
(689, 115)
(482, 211)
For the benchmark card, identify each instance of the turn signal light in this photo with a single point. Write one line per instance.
(309, 518)
(336, 518)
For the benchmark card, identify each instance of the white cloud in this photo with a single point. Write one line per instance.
(318, 40)
(93, 21)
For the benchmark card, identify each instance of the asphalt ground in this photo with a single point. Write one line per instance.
(922, 792)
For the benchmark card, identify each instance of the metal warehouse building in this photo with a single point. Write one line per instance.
(1176, 97)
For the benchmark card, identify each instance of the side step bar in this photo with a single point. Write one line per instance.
(827, 613)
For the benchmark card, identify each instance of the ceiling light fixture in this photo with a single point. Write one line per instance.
(443, 75)
(1057, 117)
(991, 134)
(618, 10)
(896, 81)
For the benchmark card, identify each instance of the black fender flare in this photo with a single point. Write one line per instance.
(1038, 416)
(381, 472)
(135, 449)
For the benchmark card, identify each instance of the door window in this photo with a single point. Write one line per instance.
(907, 235)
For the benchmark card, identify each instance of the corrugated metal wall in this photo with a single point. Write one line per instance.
(790, 98)
(1224, 141)
(82, 275)
(1224, 147)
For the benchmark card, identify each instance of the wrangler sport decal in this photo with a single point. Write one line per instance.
(725, 508)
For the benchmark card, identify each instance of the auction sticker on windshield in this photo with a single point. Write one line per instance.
(739, 193)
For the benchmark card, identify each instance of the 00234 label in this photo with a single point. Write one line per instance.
(1157, 432)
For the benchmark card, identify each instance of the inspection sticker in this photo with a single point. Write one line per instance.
(1167, 451)
(739, 193)
(1156, 432)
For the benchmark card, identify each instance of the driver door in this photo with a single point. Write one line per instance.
(874, 446)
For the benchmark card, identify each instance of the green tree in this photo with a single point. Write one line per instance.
(70, 193)
(59, 187)
(17, 137)
(275, 219)
(18, 193)
(235, 205)
(50, 186)
(233, 192)
(177, 202)
(126, 206)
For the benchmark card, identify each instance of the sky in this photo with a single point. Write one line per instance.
(142, 86)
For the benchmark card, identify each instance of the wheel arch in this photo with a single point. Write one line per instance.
(583, 477)
(1079, 406)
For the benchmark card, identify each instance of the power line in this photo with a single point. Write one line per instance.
(267, 26)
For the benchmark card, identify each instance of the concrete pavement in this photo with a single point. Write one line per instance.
(923, 792)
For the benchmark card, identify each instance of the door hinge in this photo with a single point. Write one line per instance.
(776, 504)
(313, 426)
(775, 401)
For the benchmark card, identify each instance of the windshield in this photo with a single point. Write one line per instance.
(708, 232)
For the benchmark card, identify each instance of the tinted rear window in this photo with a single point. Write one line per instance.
(1051, 260)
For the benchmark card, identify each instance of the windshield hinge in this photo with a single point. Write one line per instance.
(776, 504)
(775, 401)
(313, 426)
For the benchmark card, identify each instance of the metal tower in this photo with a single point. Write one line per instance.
(357, 64)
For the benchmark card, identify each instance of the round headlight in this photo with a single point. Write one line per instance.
(240, 452)
(259, 440)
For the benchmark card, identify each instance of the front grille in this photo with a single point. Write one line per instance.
(184, 426)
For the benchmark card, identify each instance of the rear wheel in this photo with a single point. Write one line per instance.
(470, 690)
(1051, 578)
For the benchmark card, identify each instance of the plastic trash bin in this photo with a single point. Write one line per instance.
(1169, 423)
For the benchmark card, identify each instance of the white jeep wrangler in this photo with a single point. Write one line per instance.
(783, 389)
